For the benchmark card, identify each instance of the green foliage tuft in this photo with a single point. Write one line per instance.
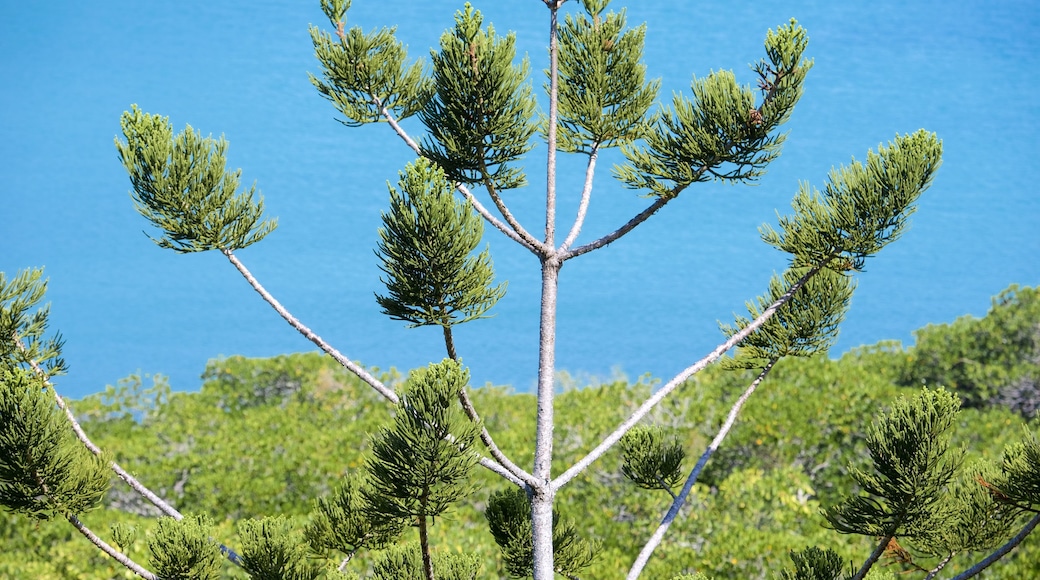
(480, 118)
(1019, 482)
(603, 97)
(425, 248)
(420, 465)
(813, 563)
(406, 562)
(342, 522)
(650, 460)
(181, 185)
(803, 326)
(272, 549)
(721, 134)
(18, 296)
(863, 207)
(911, 465)
(182, 549)
(509, 518)
(363, 74)
(44, 471)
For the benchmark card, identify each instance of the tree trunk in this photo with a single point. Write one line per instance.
(542, 496)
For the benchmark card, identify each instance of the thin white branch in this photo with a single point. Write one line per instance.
(106, 548)
(586, 194)
(938, 567)
(348, 364)
(676, 381)
(1001, 551)
(680, 500)
(613, 236)
(522, 477)
(339, 357)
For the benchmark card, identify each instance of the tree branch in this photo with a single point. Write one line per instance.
(1001, 551)
(673, 511)
(872, 558)
(586, 195)
(613, 236)
(938, 567)
(678, 380)
(106, 548)
(485, 436)
(348, 364)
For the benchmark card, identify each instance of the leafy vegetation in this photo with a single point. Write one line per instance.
(357, 465)
(281, 435)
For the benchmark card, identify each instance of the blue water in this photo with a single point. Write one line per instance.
(647, 304)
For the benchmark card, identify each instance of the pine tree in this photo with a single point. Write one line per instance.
(481, 119)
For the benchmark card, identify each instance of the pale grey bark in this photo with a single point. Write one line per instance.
(1001, 551)
(680, 500)
(114, 553)
(612, 439)
(542, 496)
(583, 205)
(309, 334)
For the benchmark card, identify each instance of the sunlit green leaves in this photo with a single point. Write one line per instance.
(44, 471)
(603, 95)
(650, 459)
(183, 550)
(481, 117)
(863, 207)
(363, 73)
(911, 465)
(815, 564)
(425, 249)
(804, 325)
(181, 185)
(721, 133)
(272, 549)
(18, 324)
(420, 464)
(341, 521)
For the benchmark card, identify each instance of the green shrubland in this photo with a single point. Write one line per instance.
(271, 436)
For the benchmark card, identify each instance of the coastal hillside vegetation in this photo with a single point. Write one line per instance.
(272, 436)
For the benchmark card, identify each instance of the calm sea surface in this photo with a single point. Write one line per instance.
(646, 304)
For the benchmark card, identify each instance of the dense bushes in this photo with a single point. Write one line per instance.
(269, 436)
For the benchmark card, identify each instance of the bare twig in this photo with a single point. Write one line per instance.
(106, 548)
(1001, 551)
(613, 236)
(938, 567)
(471, 412)
(348, 364)
(586, 194)
(679, 379)
(673, 511)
